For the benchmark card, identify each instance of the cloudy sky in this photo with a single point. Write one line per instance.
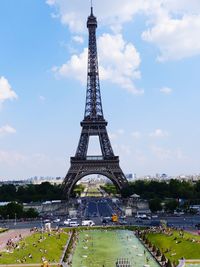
(149, 57)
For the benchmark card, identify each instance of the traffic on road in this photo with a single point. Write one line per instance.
(102, 211)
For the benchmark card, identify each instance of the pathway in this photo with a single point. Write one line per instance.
(12, 234)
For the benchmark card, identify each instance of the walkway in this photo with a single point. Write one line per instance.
(12, 234)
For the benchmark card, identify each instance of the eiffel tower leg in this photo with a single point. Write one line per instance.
(81, 151)
(105, 143)
(68, 184)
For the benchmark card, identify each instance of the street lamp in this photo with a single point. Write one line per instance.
(15, 219)
(7, 219)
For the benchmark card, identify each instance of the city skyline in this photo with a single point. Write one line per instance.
(149, 61)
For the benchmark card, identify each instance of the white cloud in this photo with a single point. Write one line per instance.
(75, 67)
(7, 129)
(172, 25)
(17, 164)
(166, 90)
(119, 63)
(11, 157)
(115, 135)
(139, 156)
(113, 13)
(167, 154)
(183, 6)
(159, 133)
(42, 98)
(136, 135)
(6, 91)
(161, 153)
(121, 149)
(175, 38)
(51, 2)
(120, 131)
(78, 39)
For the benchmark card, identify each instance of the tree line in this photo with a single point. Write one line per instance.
(167, 195)
(35, 193)
(16, 211)
(162, 189)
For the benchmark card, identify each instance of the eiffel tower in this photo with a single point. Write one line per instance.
(93, 124)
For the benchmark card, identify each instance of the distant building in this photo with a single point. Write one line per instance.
(51, 180)
(130, 177)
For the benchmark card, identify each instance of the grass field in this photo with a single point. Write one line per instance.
(38, 245)
(176, 247)
(97, 248)
(2, 230)
(93, 192)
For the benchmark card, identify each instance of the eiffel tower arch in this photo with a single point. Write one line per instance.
(93, 124)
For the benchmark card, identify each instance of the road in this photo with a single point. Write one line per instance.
(97, 208)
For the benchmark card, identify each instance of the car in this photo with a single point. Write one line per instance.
(87, 223)
(122, 222)
(142, 216)
(154, 216)
(73, 224)
(179, 213)
(105, 220)
(56, 220)
(67, 221)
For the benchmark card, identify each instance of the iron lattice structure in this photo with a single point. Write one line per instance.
(93, 124)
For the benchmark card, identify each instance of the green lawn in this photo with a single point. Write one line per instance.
(97, 248)
(93, 192)
(178, 246)
(38, 245)
(2, 230)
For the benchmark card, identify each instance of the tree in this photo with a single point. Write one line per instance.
(171, 205)
(78, 189)
(155, 204)
(12, 210)
(7, 192)
(31, 213)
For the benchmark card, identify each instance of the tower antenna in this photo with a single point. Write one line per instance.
(91, 7)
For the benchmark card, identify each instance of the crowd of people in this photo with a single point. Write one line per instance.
(18, 243)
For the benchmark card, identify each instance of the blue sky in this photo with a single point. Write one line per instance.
(149, 57)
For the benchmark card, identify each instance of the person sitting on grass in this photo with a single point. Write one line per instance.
(30, 256)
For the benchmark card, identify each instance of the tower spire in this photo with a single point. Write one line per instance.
(93, 107)
(91, 7)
